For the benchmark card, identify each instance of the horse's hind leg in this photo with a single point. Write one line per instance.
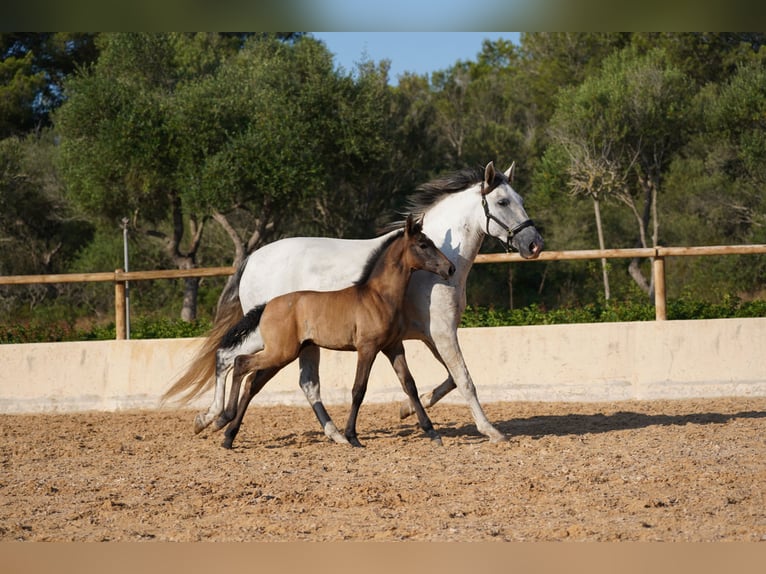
(252, 343)
(309, 381)
(223, 362)
(227, 415)
(395, 354)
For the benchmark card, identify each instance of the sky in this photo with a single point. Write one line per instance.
(418, 52)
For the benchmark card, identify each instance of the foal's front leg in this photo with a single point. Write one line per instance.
(309, 382)
(363, 368)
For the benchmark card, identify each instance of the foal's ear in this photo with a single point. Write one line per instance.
(510, 172)
(489, 176)
(414, 225)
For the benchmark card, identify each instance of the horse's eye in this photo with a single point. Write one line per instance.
(423, 245)
(503, 202)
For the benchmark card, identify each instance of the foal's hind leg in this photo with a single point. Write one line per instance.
(309, 381)
(395, 354)
(224, 359)
(228, 414)
(254, 384)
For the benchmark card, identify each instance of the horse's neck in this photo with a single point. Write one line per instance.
(390, 275)
(454, 226)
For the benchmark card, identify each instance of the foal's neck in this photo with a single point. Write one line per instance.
(391, 273)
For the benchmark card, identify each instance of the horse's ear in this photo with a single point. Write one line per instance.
(489, 176)
(510, 172)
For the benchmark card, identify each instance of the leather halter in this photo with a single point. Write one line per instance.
(510, 231)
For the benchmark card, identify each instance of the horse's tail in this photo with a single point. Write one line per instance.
(200, 374)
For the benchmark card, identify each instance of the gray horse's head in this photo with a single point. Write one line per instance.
(506, 218)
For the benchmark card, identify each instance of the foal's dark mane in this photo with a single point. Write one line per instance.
(374, 256)
(429, 194)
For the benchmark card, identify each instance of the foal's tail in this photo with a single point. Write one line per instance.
(200, 374)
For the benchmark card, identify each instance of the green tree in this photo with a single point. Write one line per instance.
(263, 137)
(717, 183)
(33, 66)
(704, 57)
(619, 130)
(117, 156)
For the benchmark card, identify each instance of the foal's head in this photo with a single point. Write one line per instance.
(421, 253)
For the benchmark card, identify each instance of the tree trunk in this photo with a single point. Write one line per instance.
(601, 245)
(510, 285)
(186, 260)
(646, 285)
(189, 308)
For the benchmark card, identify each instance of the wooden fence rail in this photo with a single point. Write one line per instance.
(657, 254)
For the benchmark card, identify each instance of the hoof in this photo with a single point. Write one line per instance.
(435, 438)
(405, 410)
(199, 424)
(227, 443)
(498, 438)
(332, 432)
(220, 422)
(353, 441)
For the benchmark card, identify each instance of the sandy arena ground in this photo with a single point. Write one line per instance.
(659, 470)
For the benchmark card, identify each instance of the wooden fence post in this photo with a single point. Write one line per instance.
(119, 306)
(660, 302)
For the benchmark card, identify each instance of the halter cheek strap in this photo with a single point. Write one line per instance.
(511, 232)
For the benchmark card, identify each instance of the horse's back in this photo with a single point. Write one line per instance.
(303, 263)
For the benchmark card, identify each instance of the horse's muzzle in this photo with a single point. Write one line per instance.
(529, 243)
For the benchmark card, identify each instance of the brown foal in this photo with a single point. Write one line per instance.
(366, 317)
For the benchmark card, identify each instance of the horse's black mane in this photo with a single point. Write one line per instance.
(429, 194)
(426, 196)
(374, 256)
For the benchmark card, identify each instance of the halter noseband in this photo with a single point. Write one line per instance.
(511, 232)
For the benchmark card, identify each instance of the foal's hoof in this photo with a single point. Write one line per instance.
(227, 443)
(435, 438)
(353, 441)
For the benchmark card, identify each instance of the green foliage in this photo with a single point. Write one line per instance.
(214, 144)
(615, 311)
(59, 331)
(147, 327)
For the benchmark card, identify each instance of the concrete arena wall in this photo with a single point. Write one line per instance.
(587, 362)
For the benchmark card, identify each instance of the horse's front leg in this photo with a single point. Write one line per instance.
(448, 349)
(309, 382)
(363, 368)
(395, 354)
